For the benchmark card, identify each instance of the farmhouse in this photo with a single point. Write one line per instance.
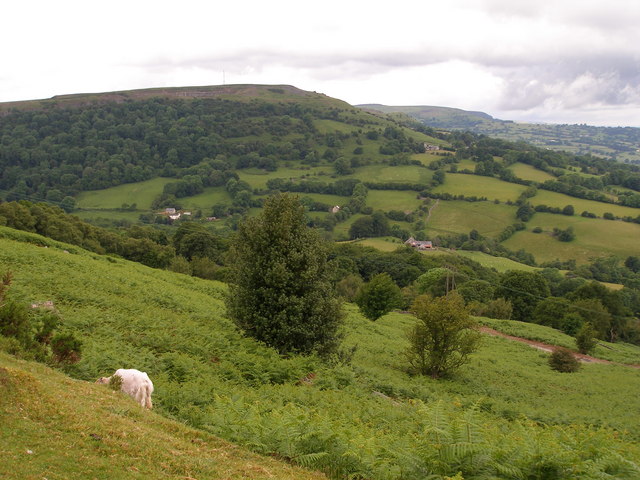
(420, 244)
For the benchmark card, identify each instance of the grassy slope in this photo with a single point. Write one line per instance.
(206, 374)
(55, 427)
(458, 216)
(473, 185)
(594, 238)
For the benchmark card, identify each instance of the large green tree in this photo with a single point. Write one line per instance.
(524, 290)
(280, 290)
(443, 337)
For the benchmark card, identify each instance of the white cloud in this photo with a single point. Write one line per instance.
(551, 59)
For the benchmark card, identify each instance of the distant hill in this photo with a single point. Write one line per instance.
(617, 143)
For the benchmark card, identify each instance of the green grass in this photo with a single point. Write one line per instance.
(458, 216)
(474, 185)
(389, 174)
(554, 199)
(384, 244)
(386, 200)
(501, 264)
(594, 238)
(527, 172)
(257, 178)
(207, 199)
(614, 352)
(140, 193)
(210, 377)
(55, 427)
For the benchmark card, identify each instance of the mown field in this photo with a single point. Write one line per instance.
(474, 185)
(368, 418)
(458, 216)
(594, 238)
(140, 193)
(560, 200)
(527, 172)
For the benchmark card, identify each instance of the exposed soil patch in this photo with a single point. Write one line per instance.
(549, 348)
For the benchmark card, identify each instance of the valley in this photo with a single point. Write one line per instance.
(123, 210)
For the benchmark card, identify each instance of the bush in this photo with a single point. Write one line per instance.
(586, 340)
(66, 348)
(563, 360)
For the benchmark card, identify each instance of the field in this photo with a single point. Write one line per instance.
(594, 238)
(368, 417)
(473, 185)
(140, 193)
(257, 178)
(207, 199)
(560, 200)
(527, 172)
(386, 200)
(458, 216)
(501, 264)
(389, 174)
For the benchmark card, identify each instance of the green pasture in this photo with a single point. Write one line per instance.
(594, 238)
(386, 200)
(258, 178)
(459, 216)
(381, 172)
(207, 199)
(527, 172)
(426, 158)
(384, 244)
(466, 164)
(475, 185)
(501, 264)
(332, 200)
(368, 418)
(560, 200)
(140, 193)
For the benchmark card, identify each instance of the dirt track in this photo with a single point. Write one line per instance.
(549, 348)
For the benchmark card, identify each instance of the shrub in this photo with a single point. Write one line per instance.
(66, 348)
(586, 340)
(563, 360)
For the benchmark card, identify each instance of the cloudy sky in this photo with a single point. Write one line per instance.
(557, 61)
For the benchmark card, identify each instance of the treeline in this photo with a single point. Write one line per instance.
(191, 249)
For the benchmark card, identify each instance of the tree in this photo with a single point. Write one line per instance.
(379, 296)
(280, 290)
(568, 210)
(586, 339)
(524, 290)
(443, 337)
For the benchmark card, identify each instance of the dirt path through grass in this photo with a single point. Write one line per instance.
(549, 348)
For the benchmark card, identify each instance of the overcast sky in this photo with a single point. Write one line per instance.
(557, 61)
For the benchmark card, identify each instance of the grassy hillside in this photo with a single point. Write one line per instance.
(594, 237)
(52, 426)
(367, 418)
